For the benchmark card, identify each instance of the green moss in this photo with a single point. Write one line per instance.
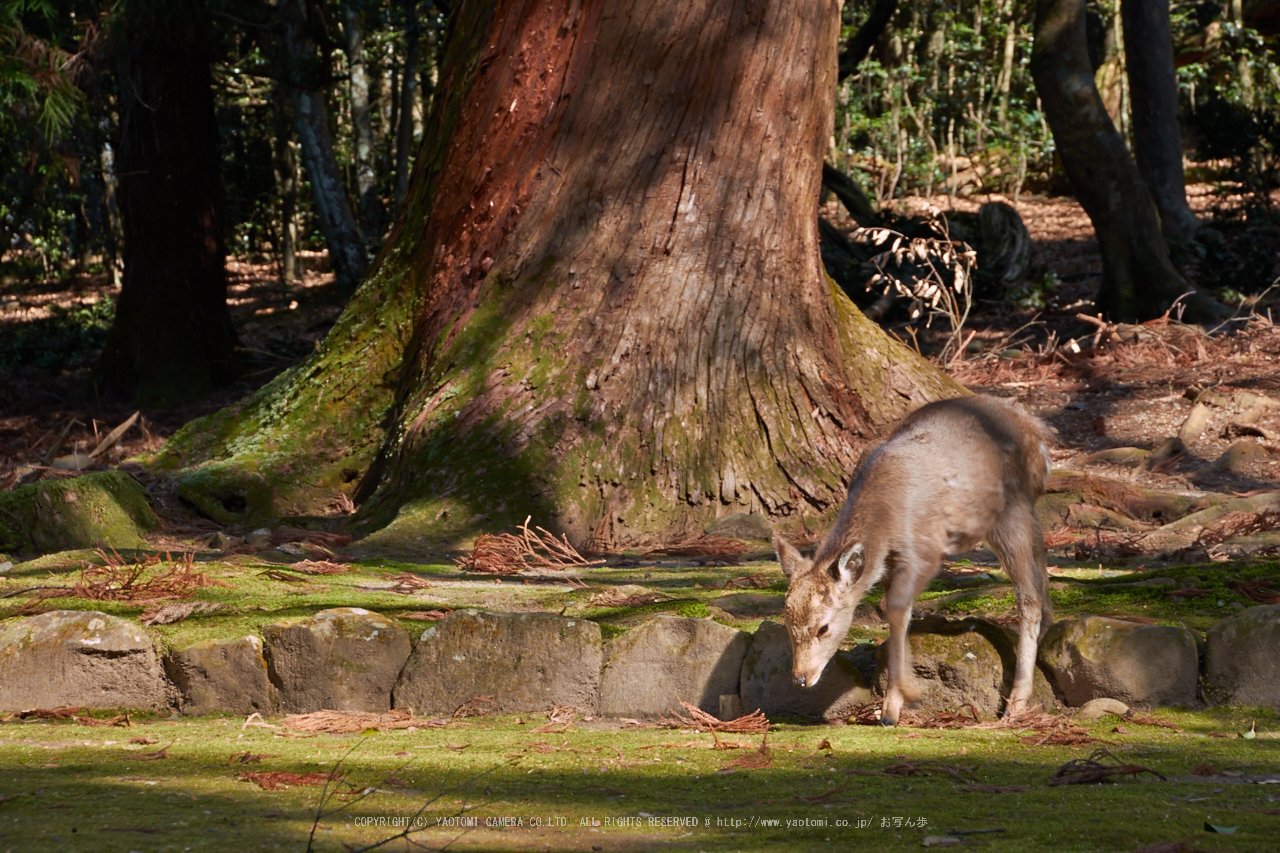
(102, 509)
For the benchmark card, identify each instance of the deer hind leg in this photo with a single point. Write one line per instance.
(910, 578)
(1019, 543)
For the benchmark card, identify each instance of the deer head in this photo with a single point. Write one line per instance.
(818, 607)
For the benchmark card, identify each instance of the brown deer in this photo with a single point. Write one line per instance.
(952, 474)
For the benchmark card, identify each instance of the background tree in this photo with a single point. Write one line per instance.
(362, 122)
(311, 114)
(603, 304)
(1138, 279)
(172, 337)
(1157, 138)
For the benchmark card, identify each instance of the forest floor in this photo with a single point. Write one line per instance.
(143, 782)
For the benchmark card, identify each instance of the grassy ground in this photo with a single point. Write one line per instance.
(70, 786)
(593, 786)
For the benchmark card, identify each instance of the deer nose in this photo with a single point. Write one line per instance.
(799, 679)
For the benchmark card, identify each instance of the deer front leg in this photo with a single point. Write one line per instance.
(902, 686)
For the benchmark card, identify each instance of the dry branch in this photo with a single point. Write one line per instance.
(753, 723)
(614, 598)
(1086, 771)
(118, 581)
(349, 722)
(277, 779)
(508, 554)
(477, 706)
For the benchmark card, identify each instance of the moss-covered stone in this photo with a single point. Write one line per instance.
(105, 509)
(344, 659)
(766, 683)
(222, 675)
(1099, 657)
(1242, 659)
(651, 669)
(524, 661)
(963, 662)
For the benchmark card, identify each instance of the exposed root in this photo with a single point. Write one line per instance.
(701, 546)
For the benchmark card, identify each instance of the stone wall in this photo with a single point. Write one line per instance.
(353, 659)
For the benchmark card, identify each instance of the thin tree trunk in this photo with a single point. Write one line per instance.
(346, 250)
(172, 338)
(362, 122)
(1244, 74)
(607, 285)
(1157, 139)
(111, 205)
(1005, 81)
(860, 43)
(408, 84)
(1138, 280)
(286, 169)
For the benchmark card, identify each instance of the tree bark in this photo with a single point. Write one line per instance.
(172, 339)
(603, 305)
(1153, 90)
(362, 124)
(1138, 280)
(311, 117)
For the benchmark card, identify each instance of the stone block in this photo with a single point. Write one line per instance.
(222, 675)
(524, 661)
(80, 658)
(650, 670)
(343, 659)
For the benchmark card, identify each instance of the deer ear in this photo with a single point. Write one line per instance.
(788, 556)
(850, 564)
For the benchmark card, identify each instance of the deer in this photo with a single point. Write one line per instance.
(952, 474)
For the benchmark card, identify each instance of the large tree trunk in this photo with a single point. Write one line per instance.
(346, 250)
(1153, 91)
(172, 339)
(1138, 280)
(606, 289)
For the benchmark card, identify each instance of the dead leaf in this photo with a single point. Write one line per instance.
(276, 779)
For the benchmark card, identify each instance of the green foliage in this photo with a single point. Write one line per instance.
(931, 107)
(1230, 97)
(37, 77)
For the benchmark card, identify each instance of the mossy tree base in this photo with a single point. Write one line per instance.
(604, 306)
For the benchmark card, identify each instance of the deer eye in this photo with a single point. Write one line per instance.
(822, 631)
